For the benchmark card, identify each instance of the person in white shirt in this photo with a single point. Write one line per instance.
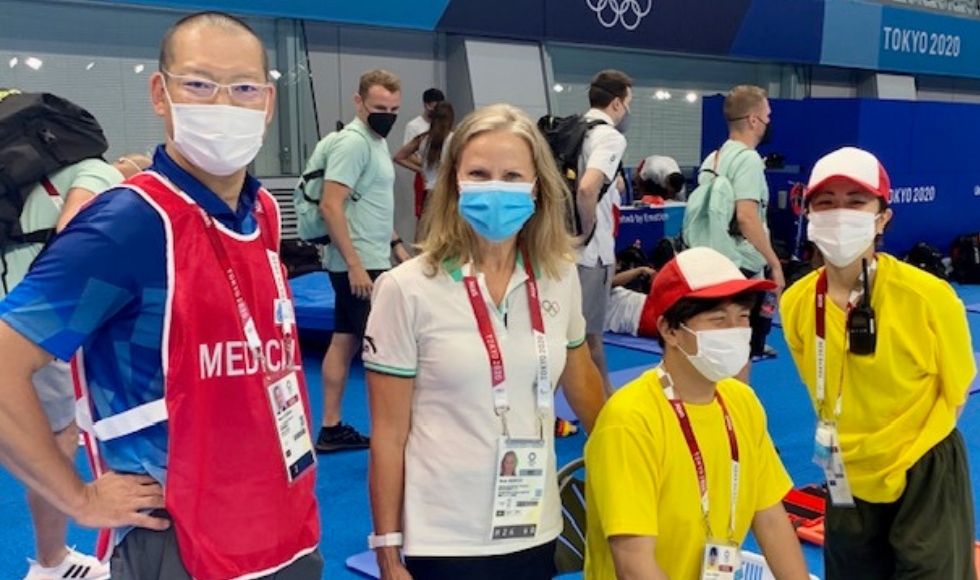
(600, 164)
(418, 126)
(464, 346)
(659, 179)
(424, 154)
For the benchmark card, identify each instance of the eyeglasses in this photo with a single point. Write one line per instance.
(245, 93)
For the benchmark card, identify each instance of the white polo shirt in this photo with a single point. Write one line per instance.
(603, 149)
(415, 127)
(423, 327)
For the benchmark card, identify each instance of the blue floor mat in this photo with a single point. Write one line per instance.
(314, 301)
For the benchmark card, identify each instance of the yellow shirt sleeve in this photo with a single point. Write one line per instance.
(773, 482)
(790, 306)
(625, 497)
(954, 347)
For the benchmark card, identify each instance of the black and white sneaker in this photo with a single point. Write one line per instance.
(340, 437)
(75, 565)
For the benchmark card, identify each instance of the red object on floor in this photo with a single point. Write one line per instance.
(806, 508)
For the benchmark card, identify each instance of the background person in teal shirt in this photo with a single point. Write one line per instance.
(74, 185)
(358, 205)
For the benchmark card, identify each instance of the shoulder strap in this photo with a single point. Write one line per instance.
(320, 172)
(49, 187)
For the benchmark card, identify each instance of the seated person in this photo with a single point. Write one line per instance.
(629, 295)
(680, 462)
(659, 179)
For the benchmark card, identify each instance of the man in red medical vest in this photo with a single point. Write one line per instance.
(170, 290)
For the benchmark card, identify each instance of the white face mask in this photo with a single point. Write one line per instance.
(721, 353)
(220, 139)
(842, 235)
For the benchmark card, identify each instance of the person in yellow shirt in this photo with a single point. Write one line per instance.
(885, 352)
(680, 464)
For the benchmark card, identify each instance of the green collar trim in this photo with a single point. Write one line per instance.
(455, 269)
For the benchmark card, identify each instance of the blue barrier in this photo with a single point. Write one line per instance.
(648, 225)
(927, 148)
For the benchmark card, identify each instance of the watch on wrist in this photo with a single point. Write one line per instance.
(395, 242)
(384, 540)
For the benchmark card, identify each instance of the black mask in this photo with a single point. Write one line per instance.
(767, 134)
(381, 123)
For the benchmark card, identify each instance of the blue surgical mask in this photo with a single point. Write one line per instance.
(496, 210)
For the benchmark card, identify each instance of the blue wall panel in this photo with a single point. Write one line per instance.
(418, 14)
(927, 149)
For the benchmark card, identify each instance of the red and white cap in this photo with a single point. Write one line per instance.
(855, 165)
(699, 273)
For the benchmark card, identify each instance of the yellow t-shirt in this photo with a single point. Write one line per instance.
(640, 478)
(901, 401)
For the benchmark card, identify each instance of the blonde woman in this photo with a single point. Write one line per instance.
(463, 348)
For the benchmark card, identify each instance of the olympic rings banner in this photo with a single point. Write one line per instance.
(850, 33)
(786, 30)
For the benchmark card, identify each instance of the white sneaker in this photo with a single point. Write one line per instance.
(75, 565)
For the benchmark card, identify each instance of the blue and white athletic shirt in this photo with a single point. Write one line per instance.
(101, 285)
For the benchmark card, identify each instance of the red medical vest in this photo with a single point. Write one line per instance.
(234, 511)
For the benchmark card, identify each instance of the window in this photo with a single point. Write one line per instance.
(666, 110)
(41, 49)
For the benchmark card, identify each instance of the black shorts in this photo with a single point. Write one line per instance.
(536, 563)
(927, 533)
(350, 313)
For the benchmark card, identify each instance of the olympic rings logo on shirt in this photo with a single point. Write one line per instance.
(627, 13)
(551, 308)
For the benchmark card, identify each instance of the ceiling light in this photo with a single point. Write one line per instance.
(691, 97)
(33, 62)
(13, 62)
(275, 75)
(139, 68)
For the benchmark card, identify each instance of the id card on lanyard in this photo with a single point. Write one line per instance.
(826, 441)
(721, 558)
(521, 464)
(281, 387)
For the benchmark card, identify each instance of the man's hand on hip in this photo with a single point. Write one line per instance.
(116, 500)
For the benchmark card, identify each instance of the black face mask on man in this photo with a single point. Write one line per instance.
(381, 123)
(767, 134)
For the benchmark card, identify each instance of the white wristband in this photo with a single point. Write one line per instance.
(385, 540)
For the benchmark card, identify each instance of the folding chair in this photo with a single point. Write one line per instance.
(570, 551)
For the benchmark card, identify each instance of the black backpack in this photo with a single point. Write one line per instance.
(928, 258)
(40, 133)
(565, 136)
(965, 255)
